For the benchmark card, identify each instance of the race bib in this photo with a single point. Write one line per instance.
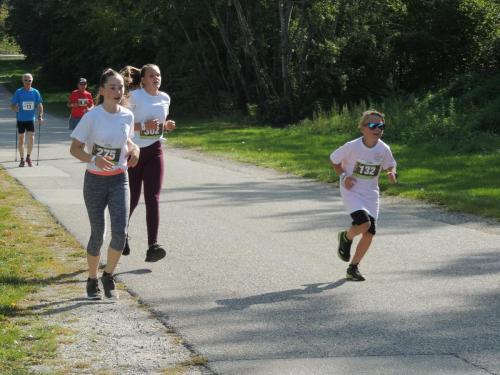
(152, 133)
(82, 102)
(111, 154)
(28, 106)
(366, 170)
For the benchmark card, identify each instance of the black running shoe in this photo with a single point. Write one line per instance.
(354, 274)
(344, 249)
(126, 249)
(21, 163)
(93, 291)
(108, 284)
(155, 253)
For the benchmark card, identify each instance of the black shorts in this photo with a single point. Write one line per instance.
(361, 217)
(23, 126)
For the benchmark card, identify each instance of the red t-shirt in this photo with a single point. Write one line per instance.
(84, 101)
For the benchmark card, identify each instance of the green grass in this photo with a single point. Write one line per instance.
(24, 261)
(438, 173)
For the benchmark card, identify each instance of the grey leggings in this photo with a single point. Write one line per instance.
(100, 192)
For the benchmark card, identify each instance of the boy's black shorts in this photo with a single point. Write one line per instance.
(23, 126)
(360, 217)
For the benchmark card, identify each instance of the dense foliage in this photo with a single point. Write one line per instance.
(280, 59)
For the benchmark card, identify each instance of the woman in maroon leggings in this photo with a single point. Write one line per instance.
(150, 107)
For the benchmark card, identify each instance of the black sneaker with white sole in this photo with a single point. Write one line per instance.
(354, 274)
(155, 253)
(108, 284)
(93, 291)
(344, 249)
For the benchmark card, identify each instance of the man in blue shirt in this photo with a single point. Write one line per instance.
(26, 101)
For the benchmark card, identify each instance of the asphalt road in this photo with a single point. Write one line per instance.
(252, 280)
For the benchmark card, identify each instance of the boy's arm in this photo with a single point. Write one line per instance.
(337, 167)
(392, 175)
(348, 181)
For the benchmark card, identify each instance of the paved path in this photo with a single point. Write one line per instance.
(253, 283)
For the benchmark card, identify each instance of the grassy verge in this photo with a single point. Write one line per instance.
(27, 263)
(436, 172)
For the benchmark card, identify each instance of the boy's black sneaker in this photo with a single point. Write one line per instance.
(354, 274)
(344, 249)
(155, 253)
(126, 249)
(108, 284)
(21, 163)
(93, 291)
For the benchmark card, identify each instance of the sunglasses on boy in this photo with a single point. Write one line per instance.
(374, 125)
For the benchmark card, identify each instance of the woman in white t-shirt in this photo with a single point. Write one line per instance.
(150, 107)
(102, 139)
(359, 163)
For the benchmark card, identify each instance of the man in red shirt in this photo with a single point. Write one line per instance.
(80, 101)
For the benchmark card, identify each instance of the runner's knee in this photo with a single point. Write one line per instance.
(364, 221)
(118, 240)
(95, 244)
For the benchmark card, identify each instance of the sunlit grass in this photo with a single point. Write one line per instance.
(24, 262)
(462, 181)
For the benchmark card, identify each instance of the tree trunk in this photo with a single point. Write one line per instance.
(285, 12)
(235, 64)
(203, 71)
(263, 79)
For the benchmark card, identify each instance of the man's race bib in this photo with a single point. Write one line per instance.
(28, 106)
(111, 154)
(144, 133)
(82, 102)
(366, 170)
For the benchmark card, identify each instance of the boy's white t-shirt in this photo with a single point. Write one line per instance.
(364, 164)
(106, 134)
(148, 107)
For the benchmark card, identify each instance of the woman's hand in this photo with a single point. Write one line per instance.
(152, 124)
(132, 154)
(169, 125)
(104, 163)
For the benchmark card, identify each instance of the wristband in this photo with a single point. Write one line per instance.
(92, 160)
(343, 176)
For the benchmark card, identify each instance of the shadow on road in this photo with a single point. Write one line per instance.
(273, 297)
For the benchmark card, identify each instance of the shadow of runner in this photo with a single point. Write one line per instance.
(273, 297)
(141, 271)
(64, 278)
(66, 305)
